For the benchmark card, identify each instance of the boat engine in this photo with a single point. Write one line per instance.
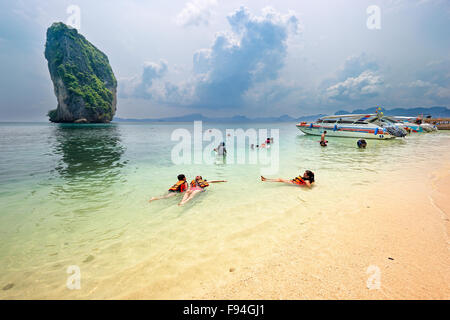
(396, 131)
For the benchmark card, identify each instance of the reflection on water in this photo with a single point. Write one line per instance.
(87, 152)
(90, 159)
(343, 153)
(70, 197)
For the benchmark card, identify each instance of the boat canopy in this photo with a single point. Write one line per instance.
(350, 118)
(402, 118)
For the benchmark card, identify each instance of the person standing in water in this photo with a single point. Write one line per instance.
(221, 150)
(323, 142)
(306, 180)
(179, 187)
(197, 185)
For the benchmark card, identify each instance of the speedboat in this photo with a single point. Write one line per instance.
(367, 126)
(405, 125)
(414, 124)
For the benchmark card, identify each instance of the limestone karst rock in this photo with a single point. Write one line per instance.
(84, 82)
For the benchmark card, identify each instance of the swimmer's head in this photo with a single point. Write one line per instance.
(310, 175)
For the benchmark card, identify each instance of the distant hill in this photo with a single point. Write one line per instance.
(200, 117)
(433, 111)
(410, 112)
(311, 118)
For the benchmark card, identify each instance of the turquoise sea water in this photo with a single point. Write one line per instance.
(78, 195)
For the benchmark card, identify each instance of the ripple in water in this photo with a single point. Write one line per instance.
(77, 195)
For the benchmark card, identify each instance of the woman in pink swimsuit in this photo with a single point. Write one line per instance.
(198, 185)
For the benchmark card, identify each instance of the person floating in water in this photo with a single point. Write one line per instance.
(179, 187)
(323, 142)
(362, 143)
(306, 180)
(197, 185)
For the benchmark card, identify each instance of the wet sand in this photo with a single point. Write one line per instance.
(376, 212)
(400, 233)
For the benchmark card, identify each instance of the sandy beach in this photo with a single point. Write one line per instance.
(402, 235)
(374, 226)
(397, 234)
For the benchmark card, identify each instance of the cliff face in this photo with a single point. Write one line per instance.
(84, 82)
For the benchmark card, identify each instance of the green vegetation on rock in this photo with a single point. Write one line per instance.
(83, 79)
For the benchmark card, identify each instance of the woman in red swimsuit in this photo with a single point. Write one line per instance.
(306, 180)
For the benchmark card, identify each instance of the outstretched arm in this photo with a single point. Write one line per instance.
(215, 181)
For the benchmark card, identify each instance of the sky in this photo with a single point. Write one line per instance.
(224, 58)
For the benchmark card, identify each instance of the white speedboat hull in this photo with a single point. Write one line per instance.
(414, 127)
(345, 131)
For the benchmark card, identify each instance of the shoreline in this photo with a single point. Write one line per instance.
(406, 239)
(384, 208)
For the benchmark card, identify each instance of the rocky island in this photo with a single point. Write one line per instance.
(84, 82)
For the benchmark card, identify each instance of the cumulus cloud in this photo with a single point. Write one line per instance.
(358, 78)
(355, 65)
(253, 53)
(419, 84)
(436, 72)
(141, 87)
(152, 85)
(442, 92)
(367, 84)
(277, 94)
(433, 91)
(432, 82)
(196, 12)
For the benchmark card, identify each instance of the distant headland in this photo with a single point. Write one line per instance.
(411, 112)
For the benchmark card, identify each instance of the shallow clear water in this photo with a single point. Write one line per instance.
(78, 195)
